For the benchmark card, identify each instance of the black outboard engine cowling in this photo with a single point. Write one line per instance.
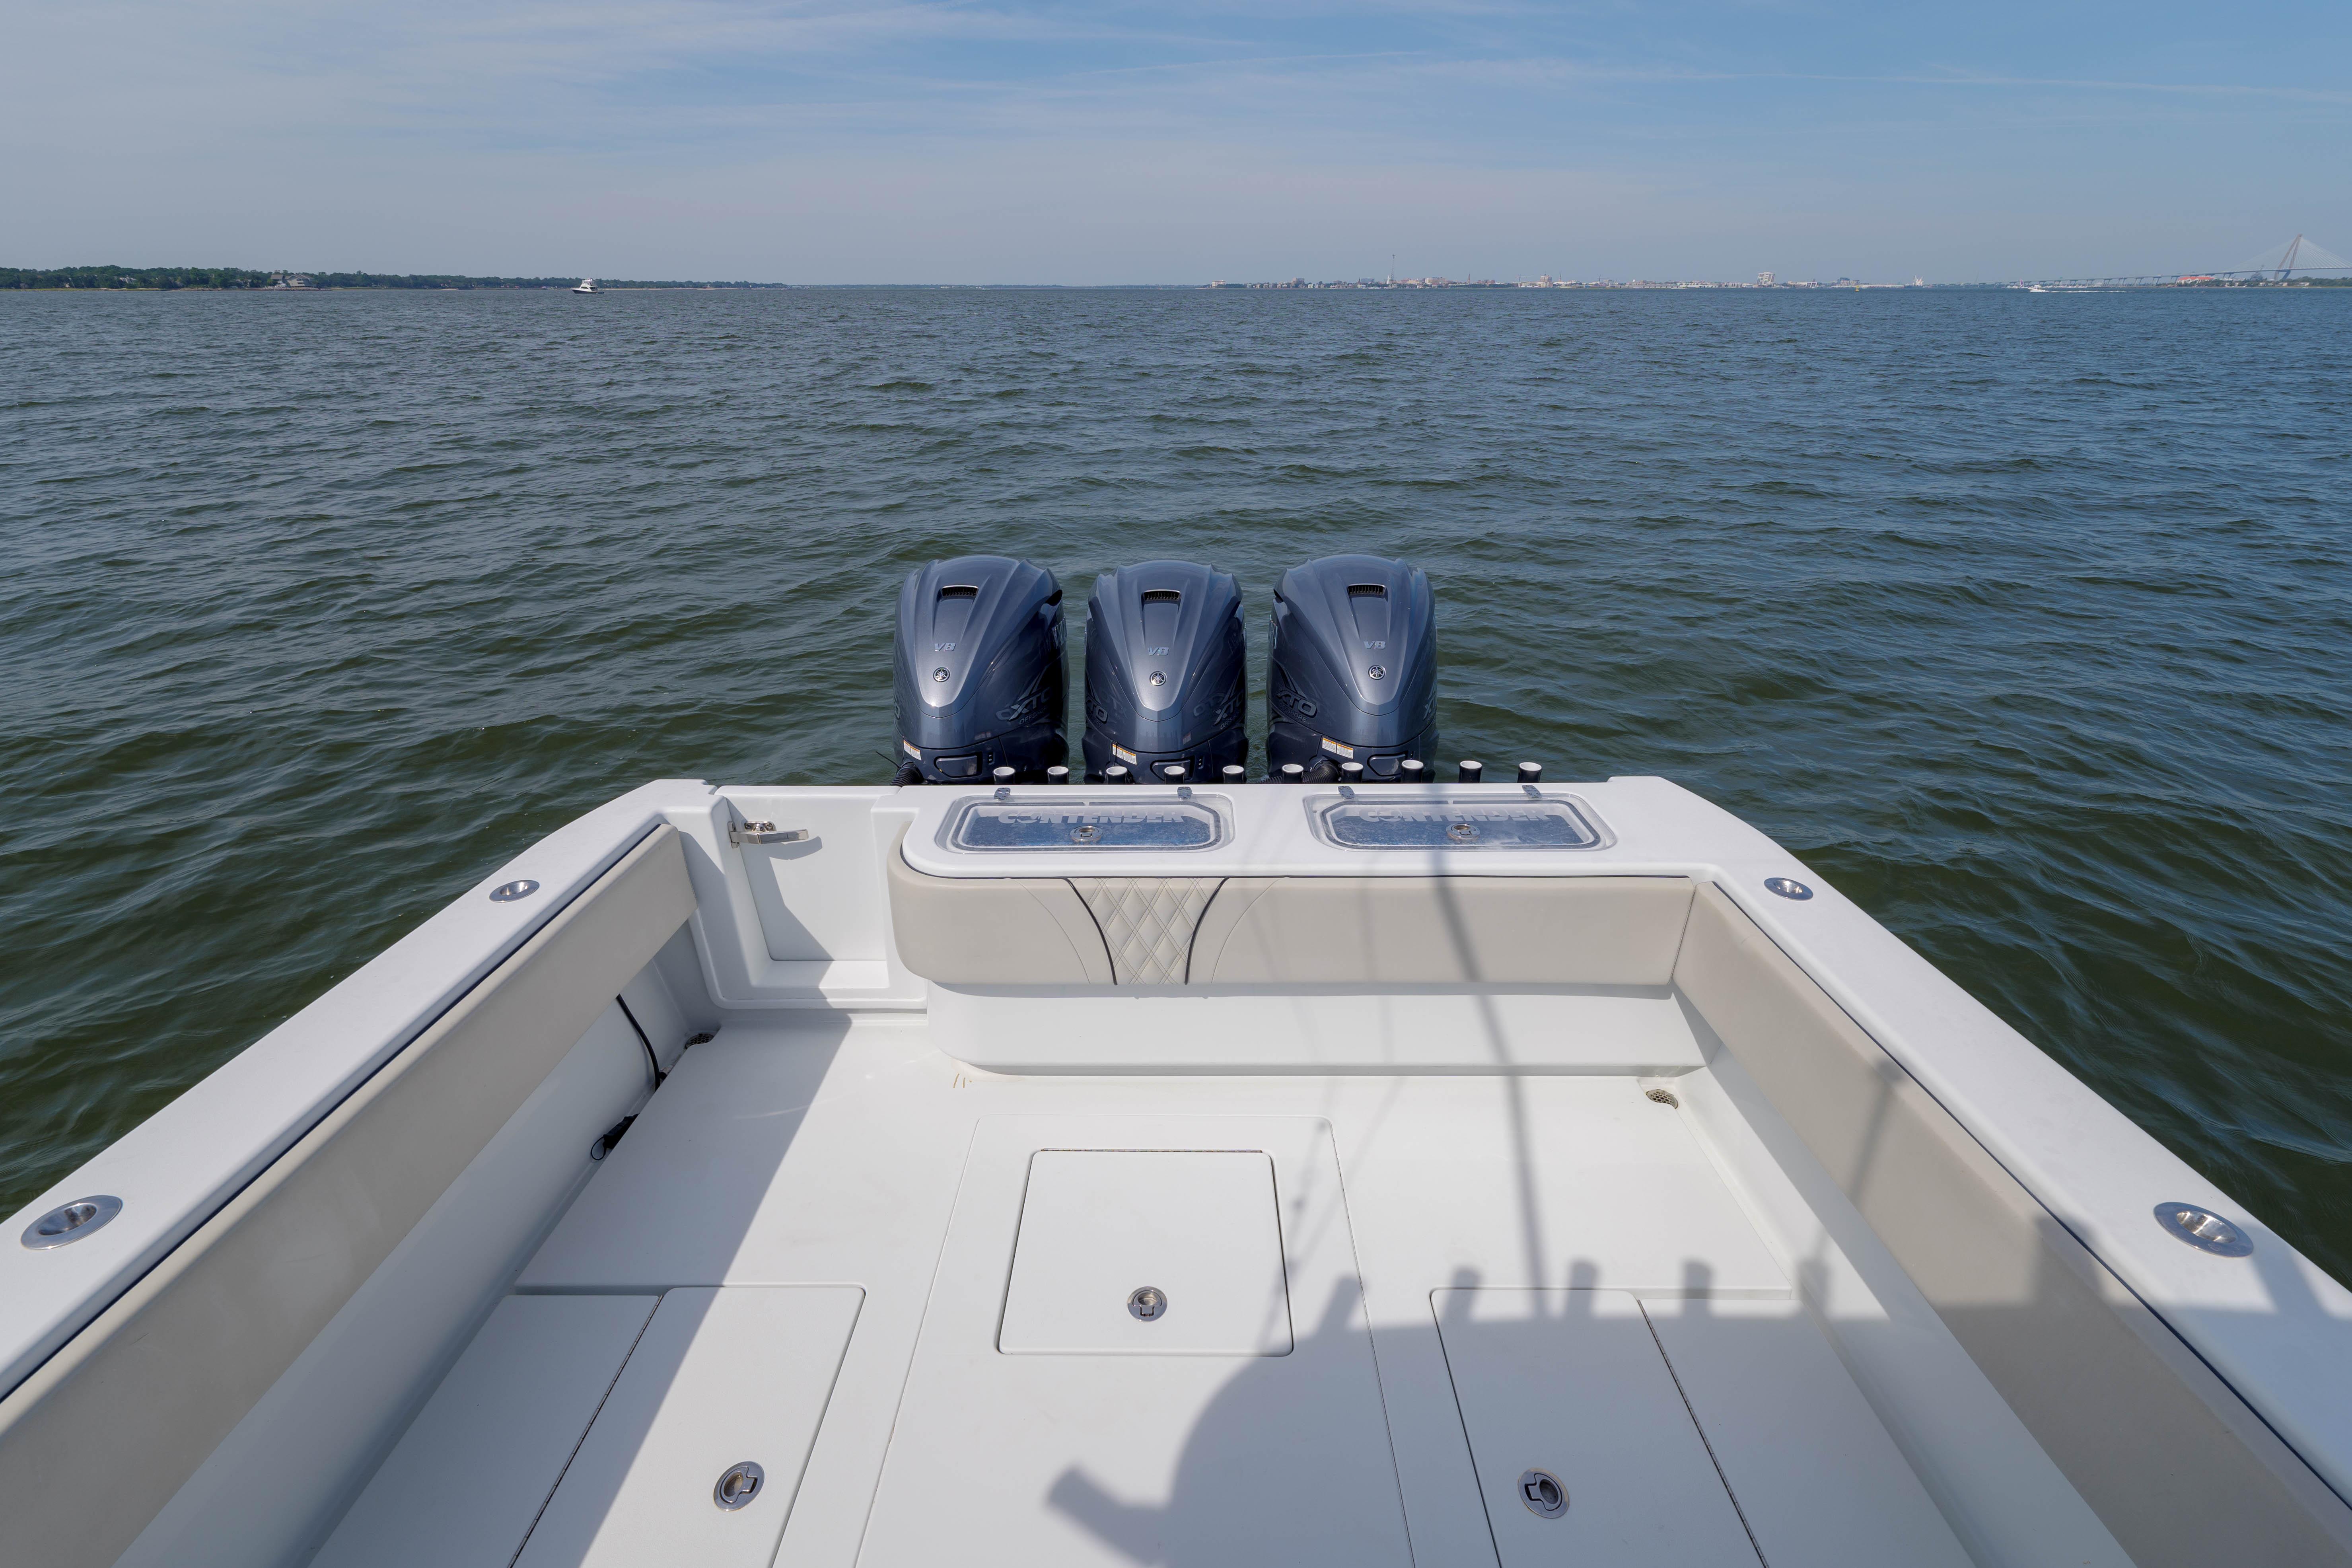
(977, 677)
(1354, 673)
(1165, 672)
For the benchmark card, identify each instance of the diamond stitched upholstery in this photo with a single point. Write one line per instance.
(1148, 922)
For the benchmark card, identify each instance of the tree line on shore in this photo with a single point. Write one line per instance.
(243, 278)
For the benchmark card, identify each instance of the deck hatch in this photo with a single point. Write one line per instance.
(1147, 1252)
(729, 1386)
(1358, 822)
(1087, 825)
(1571, 1386)
(1677, 1429)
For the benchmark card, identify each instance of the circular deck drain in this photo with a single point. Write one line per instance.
(1148, 1303)
(1786, 887)
(507, 892)
(1463, 833)
(739, 1486)
(1543, 1494)
(70, 1222)
(2204, 1229)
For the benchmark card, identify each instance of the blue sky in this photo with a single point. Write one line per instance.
(1013, 141)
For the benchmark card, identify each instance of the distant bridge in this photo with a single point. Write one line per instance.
(2280, 264)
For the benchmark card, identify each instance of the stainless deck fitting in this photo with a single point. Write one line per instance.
(2204, 1229)
(68, 1223)
(1543, 1494)
(765, 833)
(740, 1484)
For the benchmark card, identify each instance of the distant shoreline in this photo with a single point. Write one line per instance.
(233, 280)
(242, 279)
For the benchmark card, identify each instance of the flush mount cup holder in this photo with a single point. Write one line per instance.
(68, 1223)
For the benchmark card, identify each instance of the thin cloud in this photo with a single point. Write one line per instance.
(2087, 84)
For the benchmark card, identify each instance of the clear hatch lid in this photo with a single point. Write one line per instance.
(1358, 822)
(991, 825)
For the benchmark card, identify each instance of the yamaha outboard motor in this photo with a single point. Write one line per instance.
(1354, 673)
(1165, 666)
(978, 676)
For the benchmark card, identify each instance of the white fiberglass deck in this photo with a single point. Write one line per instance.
(1478, 1277)
(1467, 1175)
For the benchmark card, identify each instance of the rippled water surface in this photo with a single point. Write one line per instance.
(2023, 618)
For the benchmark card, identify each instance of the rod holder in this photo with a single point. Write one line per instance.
(1471, 772)
(1292, 772)
(1530, 772)
(1057, 775)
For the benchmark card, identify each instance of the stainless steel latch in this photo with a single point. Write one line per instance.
(765, 832)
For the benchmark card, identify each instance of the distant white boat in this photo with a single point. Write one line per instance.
(587, 285)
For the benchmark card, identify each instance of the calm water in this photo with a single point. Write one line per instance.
(2023, 618)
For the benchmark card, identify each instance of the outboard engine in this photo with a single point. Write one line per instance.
(1354, 673)
(977, 677)
(1165, 672)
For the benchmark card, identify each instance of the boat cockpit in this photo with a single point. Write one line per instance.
(1174, 1170)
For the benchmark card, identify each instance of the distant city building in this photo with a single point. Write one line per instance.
(1764, 280)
